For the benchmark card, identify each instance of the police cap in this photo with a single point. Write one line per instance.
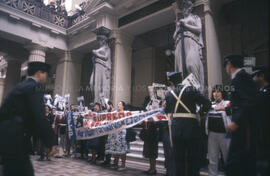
(261, 69)
(34, 67)
(175, 77)
(236, 60)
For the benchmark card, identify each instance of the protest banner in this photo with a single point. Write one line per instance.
(88, 125)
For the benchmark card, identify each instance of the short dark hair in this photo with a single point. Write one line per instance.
(236, 60)
(219, 88)
(123, 103)
(48, 107)
(110, 103)
(99, 105)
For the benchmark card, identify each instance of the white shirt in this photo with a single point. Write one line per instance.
(235, 73)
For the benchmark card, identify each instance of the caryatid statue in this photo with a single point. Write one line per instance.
(188, 42)
(100, 80)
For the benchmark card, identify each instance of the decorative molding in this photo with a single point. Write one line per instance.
(22, 16)
(142, 5)
(14, 17)
(36, 25)
(91, 5)
(83, 25)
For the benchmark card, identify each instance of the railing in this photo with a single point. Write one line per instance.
(77, 18)
(41, 11)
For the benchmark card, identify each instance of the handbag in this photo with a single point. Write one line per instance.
(142, 134)
(131, 135)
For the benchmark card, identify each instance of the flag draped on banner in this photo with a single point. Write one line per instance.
(90, 125)
(71, 126)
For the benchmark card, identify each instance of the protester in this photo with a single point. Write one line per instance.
(51, 6)
(63, 11)
(43, 150)
(261, 78)
(53, 113)
(60, 130)
(150, 145)
(58, 7)
(82, 143)
(107, 161)
(117, 145)
(216, 123)
(22, 112)
(93, 144)
(241, 158)
(71, 144)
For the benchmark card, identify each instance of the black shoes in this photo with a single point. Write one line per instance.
(151, 172)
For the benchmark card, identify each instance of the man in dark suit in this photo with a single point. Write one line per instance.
(243, 93)
(186, 134)
(261, 78)
(22, 114)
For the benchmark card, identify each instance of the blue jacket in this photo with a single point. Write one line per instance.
(23, 108)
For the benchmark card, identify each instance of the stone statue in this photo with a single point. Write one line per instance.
(100, 80)
(188, 42)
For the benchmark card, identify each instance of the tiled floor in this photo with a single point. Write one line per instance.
(76, 167)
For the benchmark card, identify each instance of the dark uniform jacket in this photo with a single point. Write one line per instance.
(264, 111)
(243, 97)
(24, 109)
(187, 127)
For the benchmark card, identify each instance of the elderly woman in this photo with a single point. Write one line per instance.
(117, 144)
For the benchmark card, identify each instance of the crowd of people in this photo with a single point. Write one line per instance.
(60, 9)
(234, 122)
(101, 149)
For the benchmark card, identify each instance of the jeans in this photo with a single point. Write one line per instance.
(63, 142)
(217, 142)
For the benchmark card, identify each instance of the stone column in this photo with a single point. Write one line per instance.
(214, 66)
(13, 74)
(121, 89)
(68, 76)
(37, 53)
(2, 86)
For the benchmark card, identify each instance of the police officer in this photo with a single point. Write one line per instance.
(261, 78)
(22, 114)
(181, 104)
(241, 158)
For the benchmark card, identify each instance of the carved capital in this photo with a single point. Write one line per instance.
(122, 38)
(37, 52)
(207, 8)
(102, 31)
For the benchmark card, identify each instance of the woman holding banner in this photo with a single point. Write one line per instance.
(117, 144)
(93, 144)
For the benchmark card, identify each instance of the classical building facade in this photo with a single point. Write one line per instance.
(140, 33)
